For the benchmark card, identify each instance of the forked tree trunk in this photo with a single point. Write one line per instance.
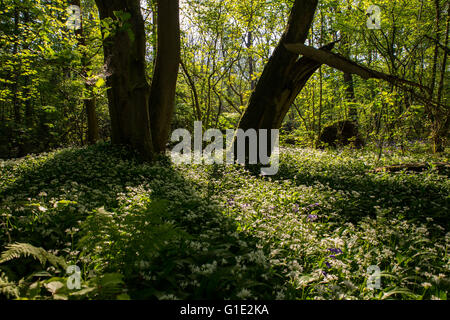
(141, 117)
(285, 75)
(283, 78)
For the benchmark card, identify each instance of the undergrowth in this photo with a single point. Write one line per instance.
(158, 231)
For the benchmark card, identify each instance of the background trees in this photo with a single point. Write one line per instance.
(48, 74)
(45, 76)
(385, 114)
(164, 231)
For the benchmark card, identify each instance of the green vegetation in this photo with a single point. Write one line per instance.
(93, 207)
(141, 230)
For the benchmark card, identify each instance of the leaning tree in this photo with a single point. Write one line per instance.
(285, 74)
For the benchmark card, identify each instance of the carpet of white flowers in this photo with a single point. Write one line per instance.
(158, 231)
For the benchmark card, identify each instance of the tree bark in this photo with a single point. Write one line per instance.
(129, 90)
(162, 96)
(443, 123)
(251, 63)
(350, 96)
(89, 101)
(284, 75)
(197, 110)
(27, 82)
(15, 86)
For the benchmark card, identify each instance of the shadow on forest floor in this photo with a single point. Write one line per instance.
(162, 234)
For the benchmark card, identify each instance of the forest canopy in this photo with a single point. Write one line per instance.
(54, 78)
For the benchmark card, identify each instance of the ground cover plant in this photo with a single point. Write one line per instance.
(158, 231)
(96, 97)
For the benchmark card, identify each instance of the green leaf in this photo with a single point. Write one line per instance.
(100, 82)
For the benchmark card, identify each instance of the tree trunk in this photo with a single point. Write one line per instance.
(319, 120)
(15, 86)
(128, 92)
(251, 63)
(154, 6)
(284, 75)
(350, 97)
(162, 97)
(438, 114)
(92, 121)
(440, 136)
(348, 79)
(89, 101)
(197, 110)
(27, 82)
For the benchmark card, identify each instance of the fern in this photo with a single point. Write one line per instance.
(18, 250)
(8, 289)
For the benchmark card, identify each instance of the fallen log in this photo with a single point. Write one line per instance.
(415, 167)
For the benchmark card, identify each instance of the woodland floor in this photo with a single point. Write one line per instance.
(158, 231)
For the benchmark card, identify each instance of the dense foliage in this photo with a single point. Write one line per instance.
(75, 199)
(141, 230)
(225, 46)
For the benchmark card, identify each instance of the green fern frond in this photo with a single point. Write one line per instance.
(18, 250)
(8, 289)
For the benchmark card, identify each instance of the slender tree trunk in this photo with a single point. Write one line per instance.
(251, 63)
(440, 137)
(27, 88)
(319, 124)
(89, 101)
(350, 97)
(162, 97)
(433, 112)
(15, 86)
(348, 83)
(313, 106)
(444, 64)
(154, 30)
(92, 120)
(197, 110)
(436, 48)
